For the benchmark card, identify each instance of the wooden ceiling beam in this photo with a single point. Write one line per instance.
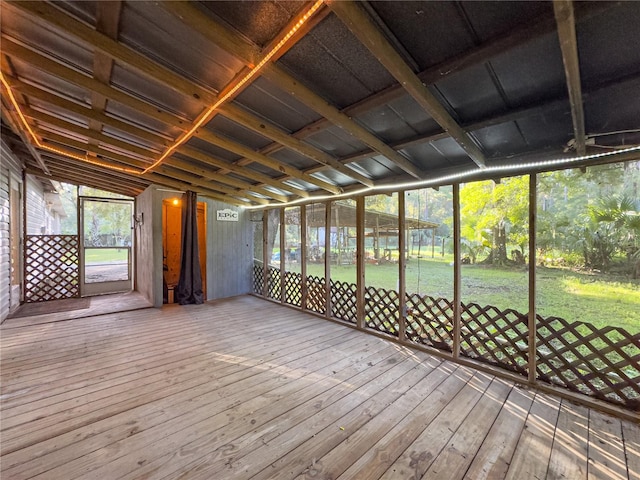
(361, 25)
(12, 117)
(136, 152)
(232, 42)
(154, 71)
(122, 160)
(76, 167)
(115, 159)
(174, 172)
(520, 35)
(163, 170)
(272, 163)
(243, 187)
(64, 165)
(45, 64)
(243, 49)
(107, 22)
(68, 74)
(276, 134)
(78, 179)
(307, 96)
(491, 120)
(565, 19)
(79, 173)
(238, 170)
(88, 113)
(9, 116)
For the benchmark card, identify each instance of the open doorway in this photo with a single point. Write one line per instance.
(172, 244)
(105, 246)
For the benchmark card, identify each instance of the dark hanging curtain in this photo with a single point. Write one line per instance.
(189, 288)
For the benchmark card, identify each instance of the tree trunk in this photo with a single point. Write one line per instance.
(498, 254)
(273, 220)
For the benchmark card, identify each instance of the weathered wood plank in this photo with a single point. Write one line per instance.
(402, 453)
(48, 426)
(59, 402)
(251, 422)
(537, 436)
(570, 444)
(387, 435)
(152, 425)
(130, 396)
(631, 434)
(606, 448)
(494, 456)
(454, 460)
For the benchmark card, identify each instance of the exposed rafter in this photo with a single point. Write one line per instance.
(185, 166)
(127, 161)
(275, 133)
(517, 37)
(569, 45)
(320, 105)
(130, 121)
(101, 139)
(232, 42)
(254, 156)
(370, 35)
(41, 62)
(151, 69)
(11, 116)
(107, 21)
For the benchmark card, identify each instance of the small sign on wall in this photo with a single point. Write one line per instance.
(227, 215)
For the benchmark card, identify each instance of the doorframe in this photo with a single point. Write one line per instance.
(200, 206)
(17, 223)
(107, 287)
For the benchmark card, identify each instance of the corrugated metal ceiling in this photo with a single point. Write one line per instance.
(143, 72)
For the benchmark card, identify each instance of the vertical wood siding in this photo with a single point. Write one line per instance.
(9, 165)
(229, 252)
(36, 208)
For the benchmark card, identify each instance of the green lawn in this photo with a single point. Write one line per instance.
(574, 296)
(105, 255)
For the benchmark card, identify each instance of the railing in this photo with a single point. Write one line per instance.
(602, 363)
(51, 267)
(343, 301)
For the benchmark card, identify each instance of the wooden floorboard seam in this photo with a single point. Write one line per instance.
(246, 389)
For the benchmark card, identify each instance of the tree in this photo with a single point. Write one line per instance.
(615, 223)
(498, 214)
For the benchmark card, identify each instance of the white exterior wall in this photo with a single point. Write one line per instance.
(10, 177)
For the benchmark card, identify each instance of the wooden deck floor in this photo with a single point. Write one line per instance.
(244, 388)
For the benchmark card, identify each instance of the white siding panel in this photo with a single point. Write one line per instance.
(229, 252)
(10, 170)
(36, 208)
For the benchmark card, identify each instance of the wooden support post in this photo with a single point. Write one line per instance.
(376, 234)
(80, 222)
(265, 255)
(360, 261)
(457, 274)
(303, 255)
(283, 257)
(23, 219)
(338, 244)
(327, 257)
(565, 18)
(533, 213)
(433, 243)
(402, 264)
